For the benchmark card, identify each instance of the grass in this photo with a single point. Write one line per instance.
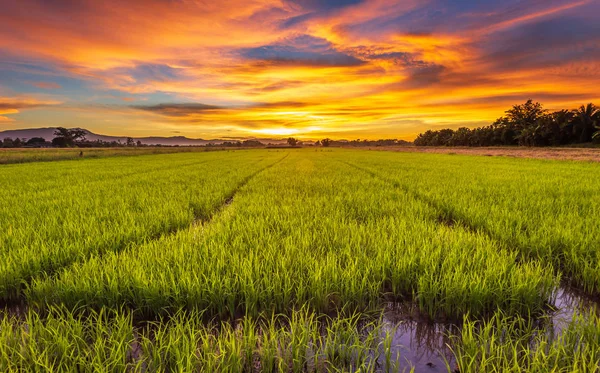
(516, 344)
(302, 342)
(311, 231)
(109, 341)
(60, 213)
(544, 210)
(275, 260)
(24, 155)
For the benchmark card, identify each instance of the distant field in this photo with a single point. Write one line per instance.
(24, 155)
(563, 153)
(304, 260)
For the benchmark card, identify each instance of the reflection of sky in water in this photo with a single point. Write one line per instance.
(425, 345)
(418, 343)
(566, 303)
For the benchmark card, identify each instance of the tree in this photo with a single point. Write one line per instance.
(326, 142)
(8, 142)
(528, 124)
(318, 143)
(596, 134)
(67, 137)
(525, 115)
(139, 143)
(130, 141)
(585, 121)
(292, 141)
(461, 137)
(36, 141)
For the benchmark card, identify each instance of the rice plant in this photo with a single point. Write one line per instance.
(310, 231)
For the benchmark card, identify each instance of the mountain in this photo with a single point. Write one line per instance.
(48, 134)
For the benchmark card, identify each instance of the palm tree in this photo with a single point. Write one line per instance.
(585, 121)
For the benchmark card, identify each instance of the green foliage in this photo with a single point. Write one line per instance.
(68, 137)
(108, 341)
(238, 257)
(59, 213)
(315, 232)
(527, 125)
(515, 344)
(541, 210)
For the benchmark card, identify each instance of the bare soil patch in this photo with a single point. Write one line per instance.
(575, 154)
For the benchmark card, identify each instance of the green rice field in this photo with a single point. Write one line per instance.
(300, 260)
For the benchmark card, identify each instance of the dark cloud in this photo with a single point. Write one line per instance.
(177, 109)
(404, 59)
(423, 77)
(280, 104)
(194, 108)
(281, 85)
(315, 9)
(322, 5)
(546, 43)
(512, 98)
(297, 20)
(303, 50)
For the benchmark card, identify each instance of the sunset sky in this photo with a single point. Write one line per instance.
(344, 69)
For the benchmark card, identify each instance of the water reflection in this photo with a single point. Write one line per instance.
(418, 343)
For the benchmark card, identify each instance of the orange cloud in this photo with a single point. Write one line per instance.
(15, 105)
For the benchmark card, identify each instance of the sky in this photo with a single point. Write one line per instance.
(343, 69)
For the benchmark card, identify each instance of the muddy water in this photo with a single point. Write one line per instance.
(424, 345)
(567, 302)
(418, 343)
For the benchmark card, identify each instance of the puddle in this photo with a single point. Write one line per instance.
(418, 343)
(424, 345)
(567, 301)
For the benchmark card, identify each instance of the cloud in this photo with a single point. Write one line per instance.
(177, 109)
(314, 10)
(302, 50)
(14, 105)
(9, 103)
(47, 85)
(546, 43)
(322, 5)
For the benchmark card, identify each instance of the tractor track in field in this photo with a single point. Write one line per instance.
(450, 218)
(228, 200)
(447, 216)
(16, 304)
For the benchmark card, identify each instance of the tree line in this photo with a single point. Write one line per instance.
(326, 142)
(528, 124)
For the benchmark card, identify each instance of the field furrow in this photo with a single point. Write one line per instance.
(543, 210)
(309, 232)
(43, 232)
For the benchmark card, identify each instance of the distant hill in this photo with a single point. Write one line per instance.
(48, 134)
